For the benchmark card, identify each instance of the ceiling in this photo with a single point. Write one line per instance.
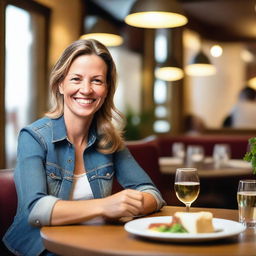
(220, 20)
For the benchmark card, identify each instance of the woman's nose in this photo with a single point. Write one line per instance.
(86, 87)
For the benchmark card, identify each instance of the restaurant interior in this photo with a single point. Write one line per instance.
(208, 59)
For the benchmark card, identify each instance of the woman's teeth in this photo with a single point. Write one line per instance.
(84, 101)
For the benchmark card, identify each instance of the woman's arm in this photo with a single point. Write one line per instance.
(126, 203)
(149, 203)
(130, 175)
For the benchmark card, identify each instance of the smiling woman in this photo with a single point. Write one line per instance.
(67, 160)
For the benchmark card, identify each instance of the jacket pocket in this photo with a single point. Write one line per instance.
(104, 176)
(54, 179)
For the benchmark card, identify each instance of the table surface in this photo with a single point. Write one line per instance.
(235, 167)
(112, 239)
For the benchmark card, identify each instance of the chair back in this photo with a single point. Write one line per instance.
(146, 154)
(8, 200)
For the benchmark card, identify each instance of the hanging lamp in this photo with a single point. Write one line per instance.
(200, 66)
(104, 32)
(156, 14)
(169, 70)
(252, 83)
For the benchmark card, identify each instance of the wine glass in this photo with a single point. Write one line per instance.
(187, 185)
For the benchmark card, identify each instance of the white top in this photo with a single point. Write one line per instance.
(81, 189)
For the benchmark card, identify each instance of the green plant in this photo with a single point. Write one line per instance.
(250, 156)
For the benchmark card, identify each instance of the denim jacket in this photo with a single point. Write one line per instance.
(44, 175)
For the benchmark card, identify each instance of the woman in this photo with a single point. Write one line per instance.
(66, 160)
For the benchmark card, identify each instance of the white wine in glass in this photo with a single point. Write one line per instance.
(187, 185)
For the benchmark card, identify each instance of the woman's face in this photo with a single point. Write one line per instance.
(84, 88)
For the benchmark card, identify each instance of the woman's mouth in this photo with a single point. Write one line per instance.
(84, 101)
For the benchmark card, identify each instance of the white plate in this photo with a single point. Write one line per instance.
(224, 228)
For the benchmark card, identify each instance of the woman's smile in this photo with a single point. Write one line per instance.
(84, 101)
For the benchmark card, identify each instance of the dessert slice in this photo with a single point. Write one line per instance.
(195, 222)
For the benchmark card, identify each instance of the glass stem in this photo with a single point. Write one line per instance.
(187, 207)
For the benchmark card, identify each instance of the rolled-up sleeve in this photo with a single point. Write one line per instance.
(130, 175)
(31, 181)
(42, 211)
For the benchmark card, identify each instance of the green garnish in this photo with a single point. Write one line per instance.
(178, 228)
(175, 228)
(251, 155)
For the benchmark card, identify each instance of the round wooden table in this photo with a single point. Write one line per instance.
(112, 239)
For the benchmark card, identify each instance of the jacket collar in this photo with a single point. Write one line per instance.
(59, 132)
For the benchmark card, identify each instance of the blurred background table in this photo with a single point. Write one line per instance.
(168, 165)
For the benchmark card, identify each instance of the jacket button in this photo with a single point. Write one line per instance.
(37, 222)
(70, 160)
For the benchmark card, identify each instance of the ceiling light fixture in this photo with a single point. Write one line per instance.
(216, 50)
(200, 66)
(252, 83)
(104, 32)
(169, 70)
(156, 14)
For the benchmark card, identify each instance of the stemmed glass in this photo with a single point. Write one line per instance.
(187, 185)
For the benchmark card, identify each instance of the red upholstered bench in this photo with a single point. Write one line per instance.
(8, 204)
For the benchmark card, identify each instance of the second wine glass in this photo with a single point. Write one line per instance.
(187, 185)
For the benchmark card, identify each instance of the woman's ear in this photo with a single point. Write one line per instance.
(61, 88)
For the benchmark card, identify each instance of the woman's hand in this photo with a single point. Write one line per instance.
(125, 203)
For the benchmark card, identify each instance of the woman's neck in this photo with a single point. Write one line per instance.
(77, 130)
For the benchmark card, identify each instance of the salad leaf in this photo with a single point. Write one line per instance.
(175, 228)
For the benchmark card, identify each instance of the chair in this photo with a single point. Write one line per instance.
(8, 205)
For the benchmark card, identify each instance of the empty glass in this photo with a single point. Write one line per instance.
(221, 155)
(178, 150)
(195, 156)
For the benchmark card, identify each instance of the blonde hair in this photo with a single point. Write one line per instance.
(110, 136)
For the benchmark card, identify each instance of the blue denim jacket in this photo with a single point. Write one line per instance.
(44, 174)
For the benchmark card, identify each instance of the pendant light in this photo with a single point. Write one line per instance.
(156, 14)
(169, 70)
(252, 83)
(200, 66)
(104, 32)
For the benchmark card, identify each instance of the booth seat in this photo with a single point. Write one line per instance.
(8, 205)
(238, 143)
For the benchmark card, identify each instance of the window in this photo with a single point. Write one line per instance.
(25, 65)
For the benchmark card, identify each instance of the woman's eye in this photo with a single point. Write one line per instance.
(76, 79)
(97, 81)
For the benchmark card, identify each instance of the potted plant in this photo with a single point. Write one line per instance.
(250, 156)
